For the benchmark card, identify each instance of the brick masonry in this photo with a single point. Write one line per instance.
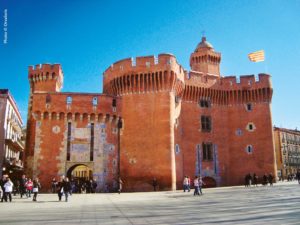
(157, 103)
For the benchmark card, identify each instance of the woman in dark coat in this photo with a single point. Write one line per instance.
(66, 187)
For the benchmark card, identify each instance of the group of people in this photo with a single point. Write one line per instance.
(254, 180)
(198, 183)
(293, 176)
(24, 186)
(77, 186)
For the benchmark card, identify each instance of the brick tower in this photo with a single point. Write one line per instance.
(148, 87)
(43, 79)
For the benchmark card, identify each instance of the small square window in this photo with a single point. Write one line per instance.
(249, 107)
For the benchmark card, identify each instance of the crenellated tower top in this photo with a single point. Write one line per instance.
(144, 74)
(204, 59)
(45, 77)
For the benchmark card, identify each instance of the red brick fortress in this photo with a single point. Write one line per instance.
(153, 120)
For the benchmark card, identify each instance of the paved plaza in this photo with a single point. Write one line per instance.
(279, 204)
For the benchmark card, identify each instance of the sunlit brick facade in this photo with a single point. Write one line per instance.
(153, 119)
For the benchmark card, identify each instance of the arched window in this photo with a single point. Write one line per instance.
(69, 100)
(95, 101)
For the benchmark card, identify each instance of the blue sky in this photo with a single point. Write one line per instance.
(87, 36)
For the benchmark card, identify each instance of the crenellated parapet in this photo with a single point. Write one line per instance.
(46, 77)
(144, 74)
(228, 90)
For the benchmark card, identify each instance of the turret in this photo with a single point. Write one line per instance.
(45, 78)
(204, 59)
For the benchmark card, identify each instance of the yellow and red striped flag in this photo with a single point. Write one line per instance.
(258, 56)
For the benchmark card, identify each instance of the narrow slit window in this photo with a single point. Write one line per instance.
(69, 142)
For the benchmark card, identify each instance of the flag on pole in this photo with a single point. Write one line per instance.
(258, 56)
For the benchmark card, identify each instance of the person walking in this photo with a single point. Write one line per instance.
(201, 183)
(60, 189)
(196, 186)
(36, 186)
(8, 186)
(66, 188)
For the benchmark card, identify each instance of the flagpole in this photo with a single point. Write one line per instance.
(266, 65)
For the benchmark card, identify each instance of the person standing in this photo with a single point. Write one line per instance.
(36, 186)
(298, 176)
(23, 186)
(8, 186)
(270, 178)
(53, 185)
(29, 185)
(120, 185)
(185, 183)
(94, 185)
(255, 179)
(2, 182)
(154, 183)
(196, 186)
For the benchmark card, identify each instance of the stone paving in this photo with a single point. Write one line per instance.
(279, 204)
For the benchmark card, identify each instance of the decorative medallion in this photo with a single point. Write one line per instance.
(56, 129)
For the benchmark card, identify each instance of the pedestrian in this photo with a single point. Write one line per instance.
(189, 184)
(270, 178)
(298, 176)
(185, 183)
(265, 180)
(94, 185)
(196, 186)
(255, 179)
(53, 185)
(2, 189)
(23, 190)
(201, 183)
(29, 186)
(36, 186)
(8, 186)
(120, 185)
(66, 188)
(60, 189)
(154, 183)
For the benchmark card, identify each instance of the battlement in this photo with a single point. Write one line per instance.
(163, 62)
(46, 67)
(47, 77)
(245, 81)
